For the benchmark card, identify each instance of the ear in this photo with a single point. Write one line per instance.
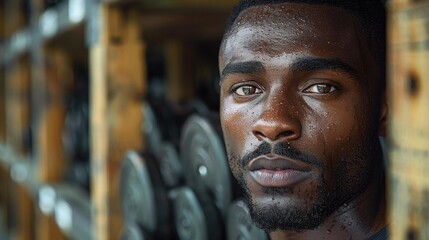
(384, 112)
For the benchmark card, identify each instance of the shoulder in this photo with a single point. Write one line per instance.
(383, 234)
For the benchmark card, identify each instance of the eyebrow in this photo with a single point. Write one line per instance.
(310, 64)
(301, 65)
(250, 67)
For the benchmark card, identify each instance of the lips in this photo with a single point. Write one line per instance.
(278, 171)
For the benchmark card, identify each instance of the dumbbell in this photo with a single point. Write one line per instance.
(133, 231)
(164, 149)
(193, 219)
(71, 208)
(76, 131)
(162, 121)
(151, 129)
(239, 224)
(205, 162)
(170, 165)
(76, 140)
(144, 195)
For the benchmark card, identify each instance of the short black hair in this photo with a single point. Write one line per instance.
(371, 14)
(368, 12)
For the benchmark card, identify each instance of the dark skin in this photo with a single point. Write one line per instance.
(304, 75)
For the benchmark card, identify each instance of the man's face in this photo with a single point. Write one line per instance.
(298, 111)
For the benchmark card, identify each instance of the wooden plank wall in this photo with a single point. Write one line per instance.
(14, 17)
(409, 95)
(2, 81)
(117, 85)
(2, 106)
(17, 87)
(17, 124)
(57, 76)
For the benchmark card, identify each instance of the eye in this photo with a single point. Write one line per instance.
(320, 88)
(247, 90)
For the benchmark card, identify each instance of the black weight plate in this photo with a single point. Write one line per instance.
(205, 162)
(144, 197)
(132, 232)
(137, 193)
(193, 220)
(170, 165)
(151, 129)
(72, 211)
(239, 224)
(76, 131)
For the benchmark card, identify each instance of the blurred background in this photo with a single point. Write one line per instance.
(94, 97)
(109, 126)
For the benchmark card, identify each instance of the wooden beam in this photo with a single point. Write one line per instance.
(47, 228)
(14, 16)
(117, 85)
(58, 77)
(52, 164)
(409, 100)
(4, 194)
(2, 105)
(2, 20)
(25, 212)
(17, 87)
(204, 3)
(182, 24)
(180, 3)
(180, 82)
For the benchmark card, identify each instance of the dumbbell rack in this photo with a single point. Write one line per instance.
(39, 46)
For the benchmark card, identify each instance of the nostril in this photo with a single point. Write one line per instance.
(286, 128)
(285, 134)
(259, 135)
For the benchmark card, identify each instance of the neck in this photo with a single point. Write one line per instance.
(361, 218)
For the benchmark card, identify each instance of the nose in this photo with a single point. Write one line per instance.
(277, 122)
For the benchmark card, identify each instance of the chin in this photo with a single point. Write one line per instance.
(282, 209)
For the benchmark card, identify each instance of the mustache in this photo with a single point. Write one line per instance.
(282, 149)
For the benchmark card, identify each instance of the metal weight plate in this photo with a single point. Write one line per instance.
(205, 163)
(193, 220)
(239, 224)
(76, 131)
(72, 209)
(151, 129)
(182, 111)
(132, 232)
(143, 194)
(137, 193)
(170, 165)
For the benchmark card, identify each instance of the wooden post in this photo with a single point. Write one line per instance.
(179, 61)
(117, 84)
(2, 105)
(17, 103)
(17, 124)
(13, 17)
(57, 75)
(4, 194)
(2, 79)
(409, 97)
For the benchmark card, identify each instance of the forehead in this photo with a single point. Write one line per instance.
(275, 30)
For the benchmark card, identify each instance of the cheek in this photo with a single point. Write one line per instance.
(236, 125)
(336, 127)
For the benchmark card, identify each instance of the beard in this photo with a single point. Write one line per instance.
(292, 217)
(352, 176)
